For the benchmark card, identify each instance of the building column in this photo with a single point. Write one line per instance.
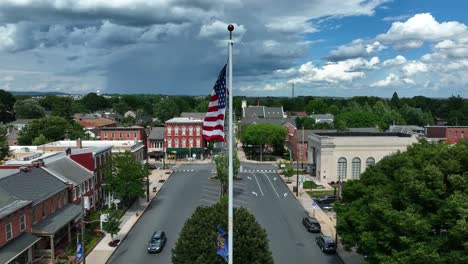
(30, 256)
(52, 249)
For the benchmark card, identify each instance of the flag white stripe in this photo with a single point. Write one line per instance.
(214, 132)
(213, 123)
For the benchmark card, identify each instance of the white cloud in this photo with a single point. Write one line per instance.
(392, 80)
(398, 60)
(418, 29)
(219, 29)
(7, 35)
(291, 25)
(396, 18)
(414, 67)
(358, 48)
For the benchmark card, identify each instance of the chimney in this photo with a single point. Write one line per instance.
(78, 143)
(24, 169)
(39, 163)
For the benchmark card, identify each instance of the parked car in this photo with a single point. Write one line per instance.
(157, 242)
(326, 243)
(155, 189)
(312, 224)
(329, 198)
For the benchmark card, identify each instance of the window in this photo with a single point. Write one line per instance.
(120, 134)
(448, 134)
(135, 135)
(34, 215)
(183, 131)
(190, 131)
(191, 142)
(44, 209)
(22, 223)
(198, 142)
(128, 135)
(65, 198)
(105, 135)
(112, 134)
(176, 143)
(169, 143)
(52, 205)
(356, 169)
(169, 131)
(86, 186)
(176, 131)
(456, 134)
(463, 134)
(8, 231)
(198, 131)
(60, 200)
(370, 161)
(342, 169)
(184, 143)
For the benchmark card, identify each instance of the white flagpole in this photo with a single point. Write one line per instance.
(230, 146)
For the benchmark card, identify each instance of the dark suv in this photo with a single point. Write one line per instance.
(157, 242)
(326, 243)
(329, 198)
(312, 224)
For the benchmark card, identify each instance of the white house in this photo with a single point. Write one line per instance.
(340, 156)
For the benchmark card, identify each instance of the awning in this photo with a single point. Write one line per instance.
(184, 150)
(57, 220)
(17, 246)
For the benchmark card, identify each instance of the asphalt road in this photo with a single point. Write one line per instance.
(261, 191)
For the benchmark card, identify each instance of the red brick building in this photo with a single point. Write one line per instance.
(183, 138)
(125, 133)
(451, 134)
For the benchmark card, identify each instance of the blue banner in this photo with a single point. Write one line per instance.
(79, 250)
(222, 243)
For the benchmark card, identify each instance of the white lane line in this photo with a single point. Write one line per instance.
(271, 184)
(240, 201)
(259, 185)
(209, 201)
(211, 187)
(209, 195)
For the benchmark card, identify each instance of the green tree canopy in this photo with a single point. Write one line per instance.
(94, 102)
(358, 119)
(4, 149)
(60, 106)
(411, 207)
(264, 134)
(53, 128)
(126, 177)
(166, 109)
(7, 101)
(197, 241)
(112, 225)
(29, 109)
(222, 170)
(316, 106)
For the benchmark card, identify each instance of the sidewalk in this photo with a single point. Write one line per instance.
(102, 251)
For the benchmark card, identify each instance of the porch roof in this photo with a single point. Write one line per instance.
(17, 246)
(57, 220)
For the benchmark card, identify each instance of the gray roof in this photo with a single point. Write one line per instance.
(9, 203)
(95, 150)
(322, 116)
(274, 112)
(254, 112)
(7, 172)
(275, 121)
(21, 121)
(364, 129)
(307, 133)
(406, 129)
(17, 246)
(68, 170)
(157, 133)
(196, 115)
(35, 185)
(57, 220)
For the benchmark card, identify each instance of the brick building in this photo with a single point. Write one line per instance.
(451, 134)
(125, 133)
(184, 138)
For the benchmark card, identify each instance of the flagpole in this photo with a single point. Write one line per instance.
(230, 142)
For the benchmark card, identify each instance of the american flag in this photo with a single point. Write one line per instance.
(213, 124)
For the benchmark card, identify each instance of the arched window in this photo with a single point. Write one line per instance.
(183, 131)
(341, 169)
(370, 161)
(356, 172)
(190, 131)
(169, 131)
(184, 143)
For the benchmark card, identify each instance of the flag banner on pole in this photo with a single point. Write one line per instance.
(79, 250)
(222, 243)
(213, 123)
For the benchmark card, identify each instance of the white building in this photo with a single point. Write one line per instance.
(335, 156)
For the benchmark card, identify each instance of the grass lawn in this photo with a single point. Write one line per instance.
(311, 185)
(316, 194)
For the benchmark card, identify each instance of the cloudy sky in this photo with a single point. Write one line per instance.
(324, 47)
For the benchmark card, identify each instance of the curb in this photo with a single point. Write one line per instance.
(138, 219)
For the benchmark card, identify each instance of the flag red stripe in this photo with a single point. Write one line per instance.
(212, 128)
(215, 137)
(214, 118)
(213, 108)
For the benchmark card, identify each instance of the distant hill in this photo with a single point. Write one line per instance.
(36, 93)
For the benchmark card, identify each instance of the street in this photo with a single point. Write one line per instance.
(261, 191)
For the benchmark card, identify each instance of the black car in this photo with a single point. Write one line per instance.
(326, 243)
(329, 198)
(157, 242)
(312, 224)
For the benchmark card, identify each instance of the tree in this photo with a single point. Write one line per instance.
(197, 240)
(166, 109)
(29, 109)
(262, 134)
(395, 101)
(60, 106)
(4, 149)
(39, 140)
(358, 119)
(112, 225)
(53, 128)
(287, 169)
(222, 170)
(416, 116)
(316, 106)
(127, 177)
(94, 102)
(411, 207)
(7, 100)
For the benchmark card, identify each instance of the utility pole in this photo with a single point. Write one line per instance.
(147, 178)
(302, 149)
(83, 225)
(297, 176)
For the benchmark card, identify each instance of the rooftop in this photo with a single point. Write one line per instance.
(360, 134)
(157, 133)
(184, 120)
(68, 170)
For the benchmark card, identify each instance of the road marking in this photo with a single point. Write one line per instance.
(211, 187)
(249, 178)
(210, 201)
(285, 194)
(274, 178)
(259, 185)
(240, 201)
(211, 193)
(271, 185)
(254, 193)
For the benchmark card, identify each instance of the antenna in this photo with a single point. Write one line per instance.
(292, 91)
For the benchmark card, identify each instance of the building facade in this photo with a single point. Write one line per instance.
(184, 138)
(450, 134)
(125, 133)
(341, 156)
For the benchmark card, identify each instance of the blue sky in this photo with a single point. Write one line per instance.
(326, 48)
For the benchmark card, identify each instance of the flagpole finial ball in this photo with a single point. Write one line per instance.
(231, 27)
